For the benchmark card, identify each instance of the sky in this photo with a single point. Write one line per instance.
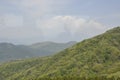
(31, 21)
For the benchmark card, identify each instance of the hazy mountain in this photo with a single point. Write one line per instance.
(47, 48)
(97, 58)
(10, 51)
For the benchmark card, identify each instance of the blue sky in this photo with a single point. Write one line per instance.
(30, 21)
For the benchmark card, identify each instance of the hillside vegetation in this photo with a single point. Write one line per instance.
(97, 58)
(9, 51)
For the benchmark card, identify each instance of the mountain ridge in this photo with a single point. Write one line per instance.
(9, 51)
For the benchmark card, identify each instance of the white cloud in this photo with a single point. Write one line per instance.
(37, 20)
(70, 24)
(57, 28)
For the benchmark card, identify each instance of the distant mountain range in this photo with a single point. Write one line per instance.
(9, 51)
(97, 58)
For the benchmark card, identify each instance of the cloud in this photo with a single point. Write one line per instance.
(38, 20)
(38, 8)
(34, 8)
(55, 28)
(21, 35)
(70, 25)
(10, 20)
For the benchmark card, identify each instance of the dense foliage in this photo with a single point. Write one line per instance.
(97, 58)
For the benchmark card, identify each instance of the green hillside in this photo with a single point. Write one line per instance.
(9, 51)
(97, 58)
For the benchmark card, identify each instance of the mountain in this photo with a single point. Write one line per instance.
(10, 51)
(97, 58)
(48, 47)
